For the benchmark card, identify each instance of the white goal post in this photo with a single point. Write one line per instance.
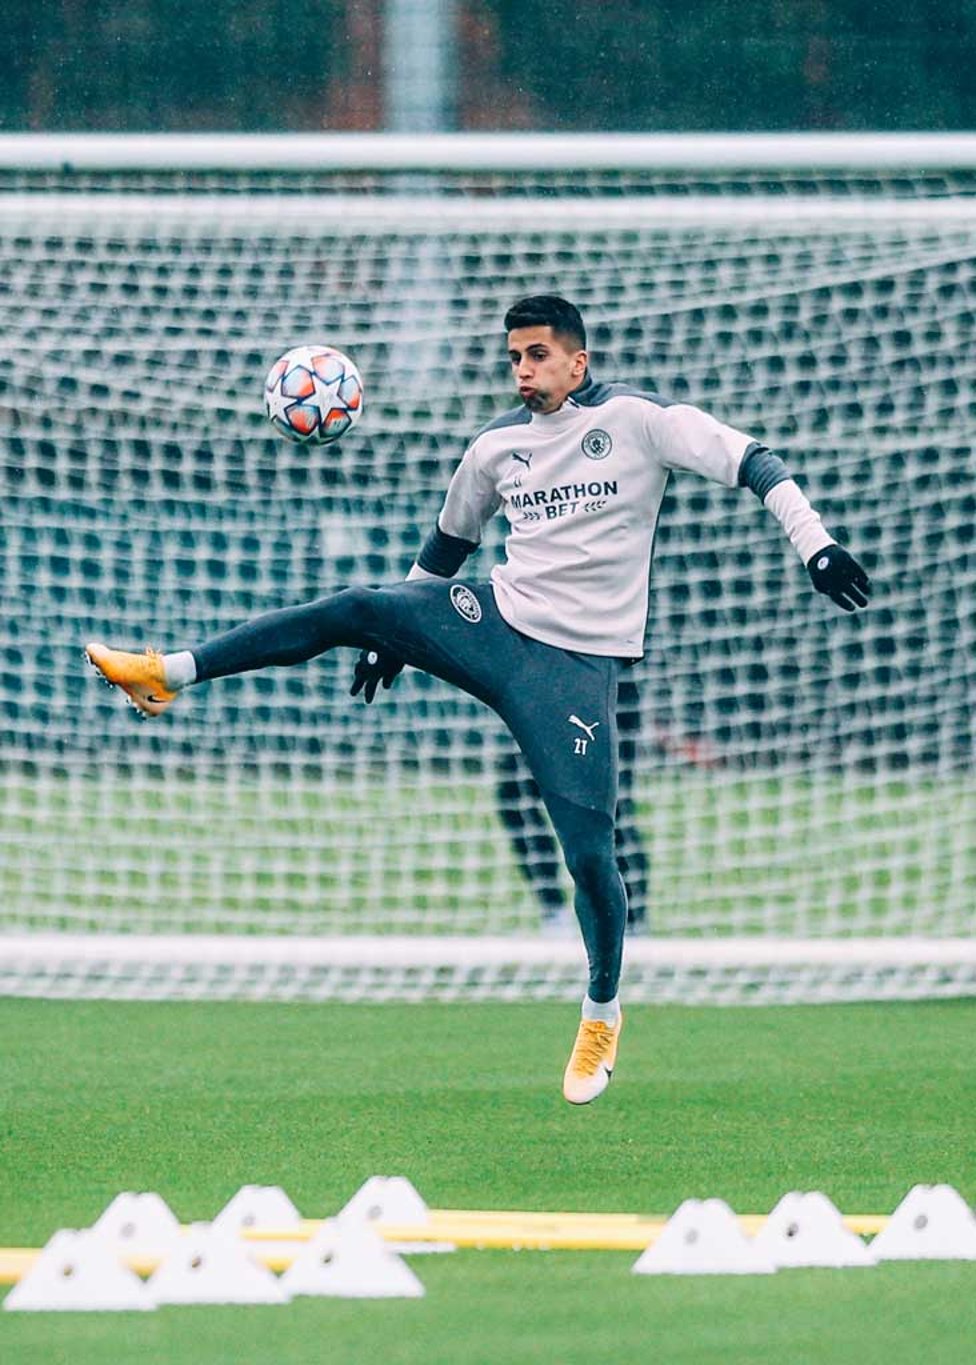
(802, 782)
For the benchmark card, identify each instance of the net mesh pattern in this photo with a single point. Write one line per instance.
(796, 772)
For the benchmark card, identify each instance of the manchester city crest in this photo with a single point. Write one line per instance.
(465, 603)
(597, 444)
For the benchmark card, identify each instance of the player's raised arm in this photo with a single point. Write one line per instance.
(688, 438)
(832, 569)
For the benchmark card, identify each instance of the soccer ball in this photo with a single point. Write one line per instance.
(313, 395)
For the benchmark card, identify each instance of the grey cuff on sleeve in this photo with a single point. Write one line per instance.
(442, 554)
(761, 471)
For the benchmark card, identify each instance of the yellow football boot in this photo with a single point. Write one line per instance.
(591, 1063)
(140, 676)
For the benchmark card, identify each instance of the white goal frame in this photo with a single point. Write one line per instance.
(405, 968)
(486, 151)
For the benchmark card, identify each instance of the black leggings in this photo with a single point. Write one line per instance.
(292, 635)
(418, 623)
(600, 900)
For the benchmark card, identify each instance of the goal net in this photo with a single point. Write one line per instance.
(801, 784)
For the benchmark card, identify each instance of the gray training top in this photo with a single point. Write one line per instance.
(582, 489)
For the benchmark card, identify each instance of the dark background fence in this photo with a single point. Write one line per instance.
(622, 65)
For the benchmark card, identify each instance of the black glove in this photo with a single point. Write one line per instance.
(372, 668)
(839, 575)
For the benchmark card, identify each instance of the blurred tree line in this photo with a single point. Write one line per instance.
(629, 65)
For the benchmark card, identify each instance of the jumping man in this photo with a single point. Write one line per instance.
(580, 470)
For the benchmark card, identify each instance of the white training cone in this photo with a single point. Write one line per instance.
(386, 1199)
(210, 1266)
(703, 1237)
(932, 1223)
(808, 1230)
(392, 1200)
(348, 1260)
(257, 1206)
(138, 1224)
(78, 1272)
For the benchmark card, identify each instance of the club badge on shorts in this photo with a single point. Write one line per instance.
(597, 444)
(465, 603)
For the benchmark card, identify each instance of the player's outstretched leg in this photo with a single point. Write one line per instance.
(587, 840)
(151, 681)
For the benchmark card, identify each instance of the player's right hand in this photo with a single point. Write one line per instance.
(838, 574)
(372, 668)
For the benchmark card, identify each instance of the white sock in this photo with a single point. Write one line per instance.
(607, 1013)
(179, 670)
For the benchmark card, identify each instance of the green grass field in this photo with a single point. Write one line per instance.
(195, 1100)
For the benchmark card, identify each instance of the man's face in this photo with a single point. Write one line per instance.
(546, 368)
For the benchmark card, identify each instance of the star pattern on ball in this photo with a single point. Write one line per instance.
(278, 404)
(326, 395)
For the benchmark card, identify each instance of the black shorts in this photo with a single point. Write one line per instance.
(560, 706)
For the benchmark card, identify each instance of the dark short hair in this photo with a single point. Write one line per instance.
(548, 310)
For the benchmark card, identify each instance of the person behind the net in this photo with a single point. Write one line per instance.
(579, 469)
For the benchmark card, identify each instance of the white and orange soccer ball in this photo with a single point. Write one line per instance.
(313, 395)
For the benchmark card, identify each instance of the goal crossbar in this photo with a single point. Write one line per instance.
(485, 151)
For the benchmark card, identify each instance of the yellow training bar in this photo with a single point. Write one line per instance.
(866, 1225)
(538, 1231)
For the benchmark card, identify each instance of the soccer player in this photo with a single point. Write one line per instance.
(579, 468)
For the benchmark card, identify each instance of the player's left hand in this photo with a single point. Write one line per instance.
(372, 668)
(838, 574)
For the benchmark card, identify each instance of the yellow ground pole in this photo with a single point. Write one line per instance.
(443, 1224)
(484, 1229)
(15, 1262)
(542, 1231)
(864, 1224)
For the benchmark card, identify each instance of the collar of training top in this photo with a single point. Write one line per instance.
(583, 388)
